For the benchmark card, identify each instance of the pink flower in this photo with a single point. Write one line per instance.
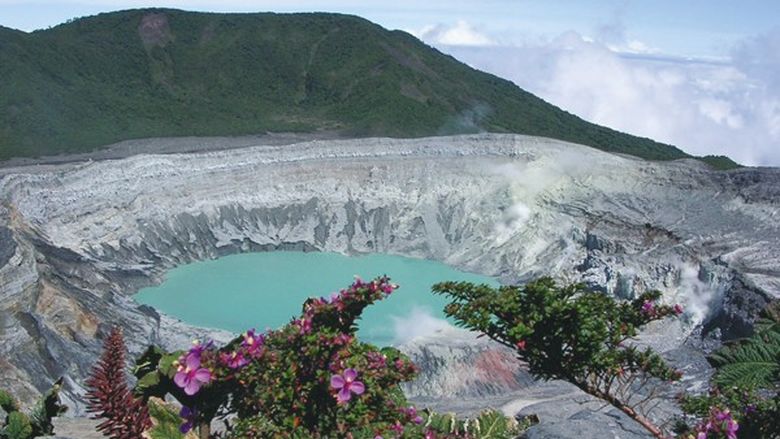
(731, 429)
(678, 309)
(411, 412)
(346, 384)
(388, 288)
(376, 360)
(195, 352)
(520, 345)
(342, 339)
(304, 325)
(235, 360)
(191, 376)
(701, 435)
(253, 343)
(648, 308)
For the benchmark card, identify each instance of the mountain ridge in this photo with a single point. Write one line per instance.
(143, 73)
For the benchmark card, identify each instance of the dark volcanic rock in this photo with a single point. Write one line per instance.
(7, 245)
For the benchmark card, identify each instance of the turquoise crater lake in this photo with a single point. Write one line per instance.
(265, 290)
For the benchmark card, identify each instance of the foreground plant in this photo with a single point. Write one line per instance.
(109, 397)
(572, 334)
(311, 378)
(744, 400)
(19, 425)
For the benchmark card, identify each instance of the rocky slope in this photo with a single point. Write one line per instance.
(77, 239)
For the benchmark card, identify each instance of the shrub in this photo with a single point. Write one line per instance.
(18, 426)
(572, 334)
(311, 378)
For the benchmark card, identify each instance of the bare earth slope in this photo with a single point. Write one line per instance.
(77, 239)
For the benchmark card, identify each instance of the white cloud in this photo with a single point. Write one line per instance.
(729, 106)
(460, 34)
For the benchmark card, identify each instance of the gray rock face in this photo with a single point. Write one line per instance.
(77, 239)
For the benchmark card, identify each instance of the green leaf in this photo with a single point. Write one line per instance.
(18, 426)
(47, 408)
(753, 362)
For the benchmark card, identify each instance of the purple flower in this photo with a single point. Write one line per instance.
(647, 308)
(346, 384)
(376, 360)
(253, 343)
(678, 309)
(722, 415)
(195, 352)
(189, 416)
(191, 376)
(411, 412)
(731, 429)
(235, 360)
(304, 325)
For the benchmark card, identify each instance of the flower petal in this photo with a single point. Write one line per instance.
(193, 361)
(344, 395)
(350, 375)
(337, 382)
(192, 387)
(357, 388)
(180, 379)
(203, 375)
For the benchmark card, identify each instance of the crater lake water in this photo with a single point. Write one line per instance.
(265, 290)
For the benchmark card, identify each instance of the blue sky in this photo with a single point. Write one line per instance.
(688, 28)
(703, 75)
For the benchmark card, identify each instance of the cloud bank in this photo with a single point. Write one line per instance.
(727, 106)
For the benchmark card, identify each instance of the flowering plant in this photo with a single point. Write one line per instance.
(312, 377)
(572, 334)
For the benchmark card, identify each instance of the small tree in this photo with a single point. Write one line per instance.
(572, 334)
(109, 397)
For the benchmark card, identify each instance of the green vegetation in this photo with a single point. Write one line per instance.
(310, 378)
(752, 363)
(720, 162)
(166, 421)
(154, 72)
(18, 425)
(572, 334)
(746, 386)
